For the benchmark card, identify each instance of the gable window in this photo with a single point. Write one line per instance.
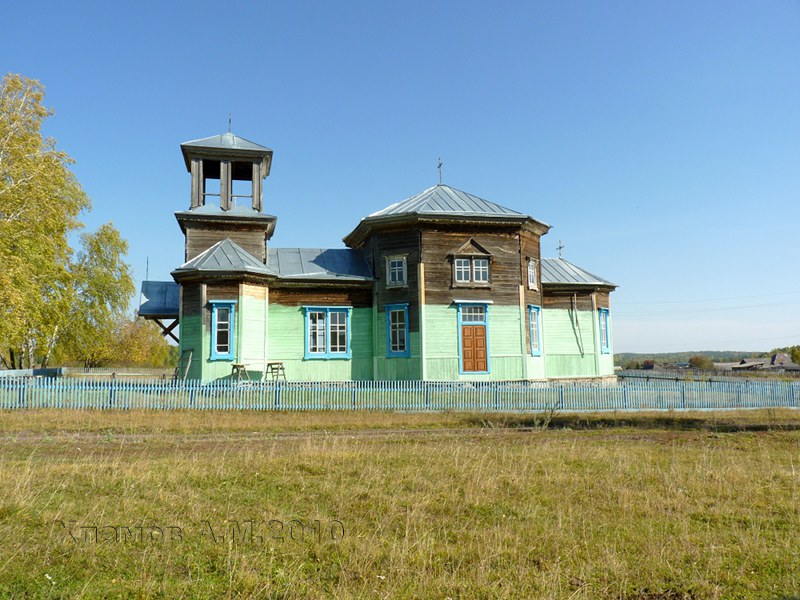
(605, 337)
(471, 270)
(397, 331)
(396, 271)
(533, 278)
(327, 332)
(535, 324)
(222, 329)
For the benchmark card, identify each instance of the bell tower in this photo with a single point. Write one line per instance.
(226, 199)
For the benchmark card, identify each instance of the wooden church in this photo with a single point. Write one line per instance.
(441, 286)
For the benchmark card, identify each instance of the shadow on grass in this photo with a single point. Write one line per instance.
(740, 423)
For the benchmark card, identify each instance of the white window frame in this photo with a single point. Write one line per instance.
(533, 274)
(401, 269)
(467, 269)
(330, 327)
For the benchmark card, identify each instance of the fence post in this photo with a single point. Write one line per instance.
(683, 395)
(22, 388)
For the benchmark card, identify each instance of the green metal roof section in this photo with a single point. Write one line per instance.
(557, 271)
(225, 256)
(324, 264)
(443, 200)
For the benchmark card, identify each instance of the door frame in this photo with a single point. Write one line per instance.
(460, 323)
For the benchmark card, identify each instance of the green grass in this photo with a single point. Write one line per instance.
(663, 505)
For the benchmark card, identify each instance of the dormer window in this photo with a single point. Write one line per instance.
(471, 266)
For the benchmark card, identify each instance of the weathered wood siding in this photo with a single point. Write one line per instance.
(200, 238)
(530, 248)
(396, 242)
(316, 295)
(504, 271)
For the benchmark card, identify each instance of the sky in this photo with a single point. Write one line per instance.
(661, 140)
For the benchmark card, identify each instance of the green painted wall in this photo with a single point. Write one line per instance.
(252, 335)
(286, 341)
(191, 338)
(506, 358)
(284, 338)
(607, 360)
(395, 368)
(563, 339)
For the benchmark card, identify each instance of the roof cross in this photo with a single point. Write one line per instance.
(560, 247)
(440, 170)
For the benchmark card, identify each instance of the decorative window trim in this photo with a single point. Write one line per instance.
(215, 306)
(393, 258)
(535, 326)
(533, 274)
(406, 352)
(460, 305)
(605, 333)
(458, 268)
(327, 354)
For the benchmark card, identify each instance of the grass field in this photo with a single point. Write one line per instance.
(279, 505)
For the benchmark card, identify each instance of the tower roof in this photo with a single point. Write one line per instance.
(226, 145)
(224, 257)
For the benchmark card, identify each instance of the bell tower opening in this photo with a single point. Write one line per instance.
(226, 199)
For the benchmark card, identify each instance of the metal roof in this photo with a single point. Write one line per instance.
(225, 256)
(557, 271)
(226, 141)
(159, 299)
(444, 200)
(319, 263)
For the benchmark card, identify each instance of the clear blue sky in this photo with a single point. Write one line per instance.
(660, 139)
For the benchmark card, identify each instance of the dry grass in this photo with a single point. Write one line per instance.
(703, 505)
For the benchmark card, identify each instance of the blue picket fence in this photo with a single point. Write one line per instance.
(413, 396)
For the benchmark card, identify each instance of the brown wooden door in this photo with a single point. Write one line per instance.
(473, 348)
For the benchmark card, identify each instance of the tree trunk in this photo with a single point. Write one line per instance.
(50, 345)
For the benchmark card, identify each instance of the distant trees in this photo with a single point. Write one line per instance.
(701, 362)
(49, 298)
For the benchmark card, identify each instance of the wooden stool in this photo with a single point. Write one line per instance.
(276, 370)
(237, 370)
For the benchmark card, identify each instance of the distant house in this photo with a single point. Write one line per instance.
(443, 285)
(777, 362)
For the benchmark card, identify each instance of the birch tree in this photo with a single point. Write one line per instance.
(40, 202)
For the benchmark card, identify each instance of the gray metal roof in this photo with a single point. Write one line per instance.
(225, 256)
(445, 200)
(159, 299)
(226, 141)
(319, 263)
(557, 271)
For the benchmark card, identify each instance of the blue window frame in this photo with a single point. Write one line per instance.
(535, 329)
(397, 343)
(605, 334)
(473, 313)
(223, 328)
(327, 332)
